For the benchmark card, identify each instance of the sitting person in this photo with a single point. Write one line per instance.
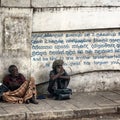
(59, 79)
(20, 89)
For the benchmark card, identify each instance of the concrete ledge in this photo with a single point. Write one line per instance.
(71, 114)
(81, 107)
(15, 116)
(61, 114)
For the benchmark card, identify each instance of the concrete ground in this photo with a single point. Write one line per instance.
(81, 106)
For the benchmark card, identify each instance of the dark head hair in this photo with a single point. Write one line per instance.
(10, 68)
(57, 63)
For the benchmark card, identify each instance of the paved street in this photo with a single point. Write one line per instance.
(82, 106)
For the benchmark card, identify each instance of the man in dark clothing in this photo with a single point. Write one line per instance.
(59, 79)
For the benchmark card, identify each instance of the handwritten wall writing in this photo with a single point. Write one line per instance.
(87, 50)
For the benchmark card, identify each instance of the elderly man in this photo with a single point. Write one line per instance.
(59, 79)
(20, 89)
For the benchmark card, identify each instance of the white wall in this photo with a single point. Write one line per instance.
(15, 36)
(15, 3)
(64, 19)
(59, 16)
(89, 51)
(68, 3)
(58, 3)
(95, 81)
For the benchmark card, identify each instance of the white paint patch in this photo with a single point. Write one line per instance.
(63, 19)
(70, 3)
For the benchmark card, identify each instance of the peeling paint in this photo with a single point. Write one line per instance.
(15, 33)
(15, 25)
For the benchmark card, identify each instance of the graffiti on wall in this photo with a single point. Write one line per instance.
(91, 50)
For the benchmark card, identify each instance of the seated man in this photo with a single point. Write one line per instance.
(59, 79)
(20, 89)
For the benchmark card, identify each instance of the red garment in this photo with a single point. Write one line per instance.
(13, 83)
